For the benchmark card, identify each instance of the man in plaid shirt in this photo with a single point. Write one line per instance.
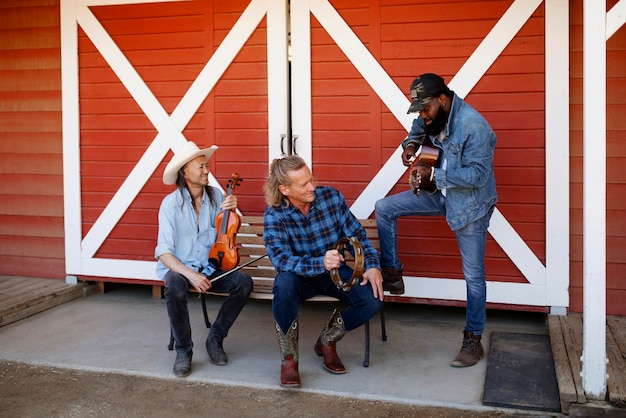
(302, 223)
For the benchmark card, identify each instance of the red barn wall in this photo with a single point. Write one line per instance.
(31, 153)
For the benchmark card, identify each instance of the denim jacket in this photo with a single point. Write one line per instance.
(467, 146)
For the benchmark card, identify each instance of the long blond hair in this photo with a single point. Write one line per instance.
(278, 176)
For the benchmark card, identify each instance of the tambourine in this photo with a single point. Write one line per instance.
(359, 263)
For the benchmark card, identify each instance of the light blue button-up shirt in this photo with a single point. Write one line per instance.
(181, 235)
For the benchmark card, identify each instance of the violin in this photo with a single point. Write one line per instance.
(224, 253)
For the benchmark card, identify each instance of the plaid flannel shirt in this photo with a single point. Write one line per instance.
(297, 243)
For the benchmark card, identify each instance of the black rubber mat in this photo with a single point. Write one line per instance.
(520, 373)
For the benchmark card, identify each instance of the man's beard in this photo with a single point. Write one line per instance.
(437, 124)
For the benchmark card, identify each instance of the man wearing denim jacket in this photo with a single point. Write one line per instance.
(464, 190)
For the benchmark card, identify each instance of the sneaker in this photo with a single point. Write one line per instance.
(392, 280)
(182, 364)
(471, 351)
(216, 352)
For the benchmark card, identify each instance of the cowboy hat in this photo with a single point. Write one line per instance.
(188, 152)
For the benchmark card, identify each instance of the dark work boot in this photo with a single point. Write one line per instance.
(471, 351)
(182, 364)
(288, 343)
(392, 280)
(216, 352)
(327, 341)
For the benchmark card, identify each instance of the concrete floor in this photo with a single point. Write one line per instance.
(126, 331)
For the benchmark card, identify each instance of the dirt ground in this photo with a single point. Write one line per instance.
(35, 391)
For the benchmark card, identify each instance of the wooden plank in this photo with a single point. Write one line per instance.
(572, 335)
(252, 219)
(34, 226)
(50, 185)
(28, 296)
(616, 369)
(54, 268)
(18, 290)
(616, 352)
(263, 287)
(567, 389)
(100, 287)
(617, 324)
(262, 264)
(49, 206)
(37, 305)
(17, 295)
(157, 292)
(263, 273)
(20, 246)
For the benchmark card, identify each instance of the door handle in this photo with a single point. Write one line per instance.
(282, 143)
(294, 138)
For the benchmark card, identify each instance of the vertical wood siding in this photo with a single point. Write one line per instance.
(31, 167)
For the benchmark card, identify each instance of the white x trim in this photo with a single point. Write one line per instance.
(79, 254)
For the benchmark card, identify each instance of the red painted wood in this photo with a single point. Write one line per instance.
(31, 248)
(31, 226)
(31, 208)
(49, 268)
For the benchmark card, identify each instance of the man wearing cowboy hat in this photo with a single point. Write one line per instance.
(186, 233)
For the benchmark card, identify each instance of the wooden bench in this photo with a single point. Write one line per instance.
(251, 246)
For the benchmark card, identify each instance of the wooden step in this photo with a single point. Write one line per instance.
(21, 297)
(566, 338)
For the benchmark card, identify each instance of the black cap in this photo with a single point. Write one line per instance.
(424, 88)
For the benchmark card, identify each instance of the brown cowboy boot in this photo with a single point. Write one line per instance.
(288, 344)
(471, 351)
(326, 343)
(392, 280)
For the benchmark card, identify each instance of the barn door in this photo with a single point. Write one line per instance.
(326, 80)
(141, 78)
(351, 63)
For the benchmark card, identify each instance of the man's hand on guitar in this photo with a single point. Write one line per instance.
(421, 177)
(408, 155)
(424, 171)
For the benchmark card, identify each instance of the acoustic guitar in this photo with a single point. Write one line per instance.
(426, 155)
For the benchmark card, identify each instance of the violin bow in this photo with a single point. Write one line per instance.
(237, 268)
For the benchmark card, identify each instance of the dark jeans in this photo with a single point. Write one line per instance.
(290, 289)
(238, 285)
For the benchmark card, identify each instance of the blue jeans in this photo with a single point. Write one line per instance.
(290, 289)
(238, 285)
(471, 239)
